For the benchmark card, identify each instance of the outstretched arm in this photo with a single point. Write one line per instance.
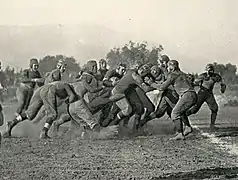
(165, 85)
(141, 83)
(25, 77)
(223, 85)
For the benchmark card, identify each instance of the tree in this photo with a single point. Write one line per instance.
(133, 52)
(228, 72)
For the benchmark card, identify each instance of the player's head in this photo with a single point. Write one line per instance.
(102, 64)
(190, 78)
(34, 64)
(91, 66)
(209, 68)
(144, 70)
(155, 71)
(173, 65)
(164, 61)
(121, 69)
(61, 65)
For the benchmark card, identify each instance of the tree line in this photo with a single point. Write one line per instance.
(128, 54)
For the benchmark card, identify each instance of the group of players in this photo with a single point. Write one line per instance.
(144, 91)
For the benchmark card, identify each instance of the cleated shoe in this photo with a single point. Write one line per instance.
(44, 135)
(179, 136)
(8, 132)
(187, 130)
(213, 127)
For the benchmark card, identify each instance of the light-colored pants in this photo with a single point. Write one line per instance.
(185, 102)
(81, 113)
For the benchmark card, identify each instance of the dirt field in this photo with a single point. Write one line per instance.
(203, 155)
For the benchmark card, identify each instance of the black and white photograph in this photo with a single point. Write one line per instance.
(118, 89)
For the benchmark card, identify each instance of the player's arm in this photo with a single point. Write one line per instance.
(39, 80)
(86, 82)
(199, 80)
(25, 77)
(222, 84)
(56, 75)
(106, 80)
(72, 96)
(164, 85)
(141, 83)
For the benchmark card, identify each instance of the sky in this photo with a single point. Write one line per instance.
(194, 32)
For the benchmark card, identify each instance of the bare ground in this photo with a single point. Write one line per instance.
(143, 157)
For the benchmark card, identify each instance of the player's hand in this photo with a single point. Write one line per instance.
(223, 88)
(114, 82)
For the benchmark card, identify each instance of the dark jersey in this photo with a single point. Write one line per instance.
(130, 80)
(62, 90)
(208, 81)
(27, 77)
(108, 75)
(52, 76)
(101, 74)
(87, 84)
(179, 81)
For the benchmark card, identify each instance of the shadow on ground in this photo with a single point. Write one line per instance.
(224, 173)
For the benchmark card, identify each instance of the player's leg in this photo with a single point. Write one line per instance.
(137, 108)
(148, 105)
(213, 106)
(179, 112)
(34, 107)
(159, 112)
(201, 98)
(63, 119)
(48, 97)
(21, 94)
(1, 123)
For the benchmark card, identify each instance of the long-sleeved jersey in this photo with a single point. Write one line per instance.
(130, 80)
(52, 76)
(87, 84)
(28, 76)
(178, 80)
(208, 81)
(108, 75)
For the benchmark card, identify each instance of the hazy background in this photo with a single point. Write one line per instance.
(193, 31)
